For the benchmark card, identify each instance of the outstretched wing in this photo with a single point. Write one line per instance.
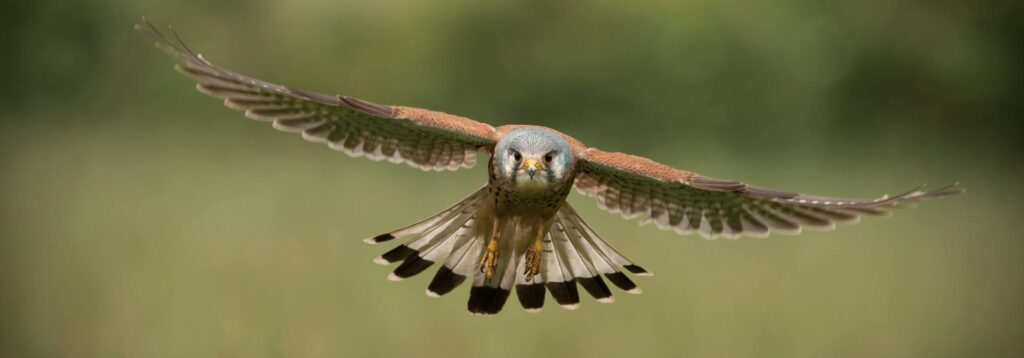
(688, 202)
(421, 138)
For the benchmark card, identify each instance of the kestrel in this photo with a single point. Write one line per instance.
(518, 230)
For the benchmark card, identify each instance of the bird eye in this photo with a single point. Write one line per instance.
(548, 157)
(515, 154)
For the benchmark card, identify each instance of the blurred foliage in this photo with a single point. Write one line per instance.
(143, 219)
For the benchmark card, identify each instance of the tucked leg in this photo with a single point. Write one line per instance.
(489, 261)
(533, 256)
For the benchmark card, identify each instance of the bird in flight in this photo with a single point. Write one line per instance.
(518, 231)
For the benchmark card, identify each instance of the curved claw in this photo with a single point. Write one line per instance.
(533, 261)
(489, 261)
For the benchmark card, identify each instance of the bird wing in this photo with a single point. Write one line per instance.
(422, 138)
(688, 202)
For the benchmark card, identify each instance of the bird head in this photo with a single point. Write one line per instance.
(533, 158)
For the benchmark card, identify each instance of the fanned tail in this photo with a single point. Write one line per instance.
(579, 255)
(572, 253)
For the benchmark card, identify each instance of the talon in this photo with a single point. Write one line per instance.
(489, 261)
(533, 261)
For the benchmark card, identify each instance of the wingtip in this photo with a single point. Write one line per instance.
(146, 28)
(143, 20)
(951, 189)
(393, 277)
(432, 294)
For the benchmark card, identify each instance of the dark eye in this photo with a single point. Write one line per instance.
(548, 157)
(516, 155)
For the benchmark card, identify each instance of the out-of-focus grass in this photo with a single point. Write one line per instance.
(141, 219)
(143, 246)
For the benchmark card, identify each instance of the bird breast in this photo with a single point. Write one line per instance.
(536, 198)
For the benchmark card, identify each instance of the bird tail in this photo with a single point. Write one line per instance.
(572, 253)
(436, 238)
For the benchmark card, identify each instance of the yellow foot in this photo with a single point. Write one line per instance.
(489, 262)
(533, 256)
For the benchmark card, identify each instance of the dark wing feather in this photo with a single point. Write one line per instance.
(688, 202)
(421, 138)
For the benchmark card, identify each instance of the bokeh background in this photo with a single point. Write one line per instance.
(142, 219)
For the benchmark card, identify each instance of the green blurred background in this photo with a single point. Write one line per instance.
(142, 219)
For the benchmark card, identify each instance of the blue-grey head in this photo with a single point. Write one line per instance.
(533, 158)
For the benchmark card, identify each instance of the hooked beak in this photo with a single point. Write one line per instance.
(531, 166)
